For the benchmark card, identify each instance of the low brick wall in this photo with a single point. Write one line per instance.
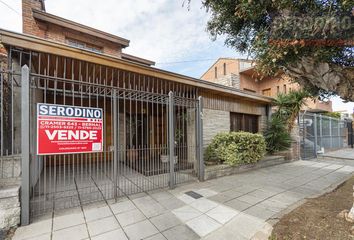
(222, 170)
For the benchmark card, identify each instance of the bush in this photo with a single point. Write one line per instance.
(235, 148)
(276, 136)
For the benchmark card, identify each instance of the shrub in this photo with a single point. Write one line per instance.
(276, 136)
(235, 148)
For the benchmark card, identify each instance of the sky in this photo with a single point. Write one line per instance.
(164, 31)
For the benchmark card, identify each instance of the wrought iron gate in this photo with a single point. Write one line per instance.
(151, 140)
(350, 134)
(320, 133)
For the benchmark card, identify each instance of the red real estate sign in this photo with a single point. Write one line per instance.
(68, 129)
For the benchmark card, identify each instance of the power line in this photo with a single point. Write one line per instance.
(7, 5)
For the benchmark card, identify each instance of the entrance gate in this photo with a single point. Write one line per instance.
(350, 134)
(151, 140)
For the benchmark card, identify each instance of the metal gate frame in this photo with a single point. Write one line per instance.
(171, 101)
(318, 132)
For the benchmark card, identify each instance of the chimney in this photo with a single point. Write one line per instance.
(29, 24)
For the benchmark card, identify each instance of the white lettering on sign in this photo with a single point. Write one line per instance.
(71, 135)
(69, 111)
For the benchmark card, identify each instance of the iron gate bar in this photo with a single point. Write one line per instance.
(171, 142)
(25, 145)
(200, 138)
(315, 134)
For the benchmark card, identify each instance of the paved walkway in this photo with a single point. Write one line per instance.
(347, 153)
(233, 207)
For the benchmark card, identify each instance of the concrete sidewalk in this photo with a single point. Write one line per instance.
(233, 207)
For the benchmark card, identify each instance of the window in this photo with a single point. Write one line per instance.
(83, 45)
(216, 72)
(243, 122)
(224, 68)
(285, 88)
(267, 92)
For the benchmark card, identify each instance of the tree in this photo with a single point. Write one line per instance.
(310, 40)
(289, 106)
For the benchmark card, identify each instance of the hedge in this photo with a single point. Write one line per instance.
(235, 148)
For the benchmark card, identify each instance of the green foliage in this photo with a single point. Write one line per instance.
(281, 34)
(332, 114)
(276, 136)
(236, 148)
(289, 106)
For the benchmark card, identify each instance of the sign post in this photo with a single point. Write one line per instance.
(63, 129)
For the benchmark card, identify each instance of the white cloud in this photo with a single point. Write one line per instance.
(11, 19)
(160, 30)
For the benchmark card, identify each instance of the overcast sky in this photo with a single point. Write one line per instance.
(159, 30)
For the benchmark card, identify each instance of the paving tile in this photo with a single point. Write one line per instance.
(124, 206)
(204, 205)
(180, 232)
(78, 232)
(133, 216)
(94, 213)
(172, 203)
(152, 209)
(224, 233)
(245, 225)
(232, 194)
(137, 195)
(249, 199)
(46, 236)
(206, 192)
(261, 194)
(220, 198)
(186, 213)
(140, 230)
(203, 225)
(259, 211)
(162, 195)
(117, 234)
(165, 221)
(158, 236)
(222, 214)
(33, 230)
(102, 225)
(69, 220)
(186, 199)
(237, 205)
(274, 206)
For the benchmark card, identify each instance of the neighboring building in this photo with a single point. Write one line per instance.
(240, 74)
(346, 115)
(72, 64)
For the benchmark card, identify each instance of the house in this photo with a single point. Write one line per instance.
(151, 117)
(240, 74)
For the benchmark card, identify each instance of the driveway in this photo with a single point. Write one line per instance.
(234, 207)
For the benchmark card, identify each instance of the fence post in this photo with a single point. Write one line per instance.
(200, 138)
(330, 132)
(2, 113)
(315, 134)
(171, 139)
(25, 145)
(116, 143)
(321, 132)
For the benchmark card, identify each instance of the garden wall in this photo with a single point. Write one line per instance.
(222, 170)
